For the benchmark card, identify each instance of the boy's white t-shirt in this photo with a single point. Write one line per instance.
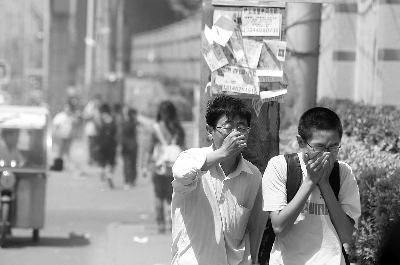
(312, 239)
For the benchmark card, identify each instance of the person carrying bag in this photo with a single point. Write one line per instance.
(167, 141)
(165, 152)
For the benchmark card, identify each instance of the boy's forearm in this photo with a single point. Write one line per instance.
(283, 220)
(343, 224)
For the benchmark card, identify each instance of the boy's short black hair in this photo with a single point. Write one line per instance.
(226, 105)
(319, 118)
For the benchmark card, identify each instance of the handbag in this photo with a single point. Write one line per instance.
(164, 153)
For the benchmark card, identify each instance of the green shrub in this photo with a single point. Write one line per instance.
(380, 207)
(377, 126)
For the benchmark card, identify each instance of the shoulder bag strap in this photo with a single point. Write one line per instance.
(159, 134)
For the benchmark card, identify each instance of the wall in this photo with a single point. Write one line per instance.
(360, 52)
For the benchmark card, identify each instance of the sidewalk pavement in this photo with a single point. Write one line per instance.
(127, 243)
(137, 244)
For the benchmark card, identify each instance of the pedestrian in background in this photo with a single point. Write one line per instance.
(130, 147)
(63, 128)
(91, 116)
(107, 141)
(169, 128)
(119, 120)
(217, 212)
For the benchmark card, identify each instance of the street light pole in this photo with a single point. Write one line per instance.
(89, 41)
(46, 49)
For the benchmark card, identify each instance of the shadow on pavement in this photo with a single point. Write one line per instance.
(73, 240)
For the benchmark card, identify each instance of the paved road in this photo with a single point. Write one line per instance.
(89, 224)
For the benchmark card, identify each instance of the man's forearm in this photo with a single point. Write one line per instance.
(213, 159)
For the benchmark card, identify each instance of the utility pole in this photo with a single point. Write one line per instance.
(304, 20)
(119, 64)
(207, 19)
(26, 44)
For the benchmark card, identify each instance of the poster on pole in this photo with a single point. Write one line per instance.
(235, 81)
(262, 21)
(265, 2)
(253, 52)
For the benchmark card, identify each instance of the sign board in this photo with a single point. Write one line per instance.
(23, 120)
(5, 72)
(265, 3)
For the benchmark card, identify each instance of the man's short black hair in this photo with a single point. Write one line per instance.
(319, 118)
(226, 105)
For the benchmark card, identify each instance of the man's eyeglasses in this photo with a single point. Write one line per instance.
(320, 148)
(228, 128)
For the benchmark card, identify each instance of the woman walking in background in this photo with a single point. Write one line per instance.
(167, 130)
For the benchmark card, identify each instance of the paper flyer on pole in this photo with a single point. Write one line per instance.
(213, 54)
(272, 95)
(250, 51)
(269, 65)
(277, 48)
(236, 81)
(236, 3)
(262, 21)
(264, 2)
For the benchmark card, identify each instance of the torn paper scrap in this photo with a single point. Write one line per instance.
(213, 54)
(237, 48)
(278, 48)
(269, 79)
(208, 34)
(212, 36)
(224, 35)
(225, 23)
(141, 240)
(257, 104)
(258, 21)
(250, 50)
(272, 95)
(216, 38)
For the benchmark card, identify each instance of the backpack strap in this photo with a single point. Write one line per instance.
(294, 175)
(334, 179)
(293, 183)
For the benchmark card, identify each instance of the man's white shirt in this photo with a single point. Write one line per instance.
(211, 212)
